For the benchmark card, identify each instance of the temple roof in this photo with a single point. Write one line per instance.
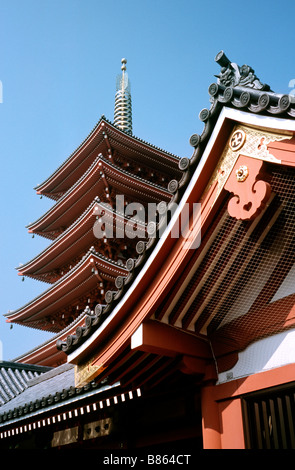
(238, 96)
(14, 379)
(53, 390)
(54, 381)
(246, 96)
(237, 89)
(81, 279)
(78, 238)
(94, 182)
(105, 138)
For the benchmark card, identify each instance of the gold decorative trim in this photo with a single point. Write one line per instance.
(254, 146)
(242, 173)
(85, 373)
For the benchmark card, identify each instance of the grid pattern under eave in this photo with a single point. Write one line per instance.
(242, 289)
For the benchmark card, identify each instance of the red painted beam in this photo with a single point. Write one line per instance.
(158, 338)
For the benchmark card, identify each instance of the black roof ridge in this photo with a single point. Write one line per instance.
(54, 371)
(23, 366)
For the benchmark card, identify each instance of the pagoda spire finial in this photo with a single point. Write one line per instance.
(123, 105)
(124, 62)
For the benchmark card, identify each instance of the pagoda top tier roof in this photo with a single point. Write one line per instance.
(105, 137)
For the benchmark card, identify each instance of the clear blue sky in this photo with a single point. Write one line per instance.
(58, 65)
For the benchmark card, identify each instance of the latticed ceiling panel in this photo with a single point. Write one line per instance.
(243, 288)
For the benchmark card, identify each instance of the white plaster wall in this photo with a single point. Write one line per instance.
(263, 355)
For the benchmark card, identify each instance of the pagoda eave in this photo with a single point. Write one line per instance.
(100, 180)
(97, 142)
(47, 354)
(82, 279)
(80, 159)
(80, 236)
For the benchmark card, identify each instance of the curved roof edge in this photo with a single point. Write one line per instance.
(11, 316)
(90, 211)
(91, 170)
(91, 135)
(247, 100)
(26, 358)
(49, 248)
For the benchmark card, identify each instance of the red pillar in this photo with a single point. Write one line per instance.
(210, 419)
(232, 436)
(222, 421)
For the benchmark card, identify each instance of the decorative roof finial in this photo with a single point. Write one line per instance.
(123, 105)
(124, 62)
(233, 75)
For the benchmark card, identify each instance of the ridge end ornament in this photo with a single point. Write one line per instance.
(251, 192)
(231, 74)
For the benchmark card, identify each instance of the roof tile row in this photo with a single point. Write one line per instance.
(14, 378)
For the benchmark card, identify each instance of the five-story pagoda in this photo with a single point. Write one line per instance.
(92, 227)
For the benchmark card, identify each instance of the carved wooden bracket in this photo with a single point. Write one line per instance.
(251, 192)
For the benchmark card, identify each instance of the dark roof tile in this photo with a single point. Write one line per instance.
(14, 379)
